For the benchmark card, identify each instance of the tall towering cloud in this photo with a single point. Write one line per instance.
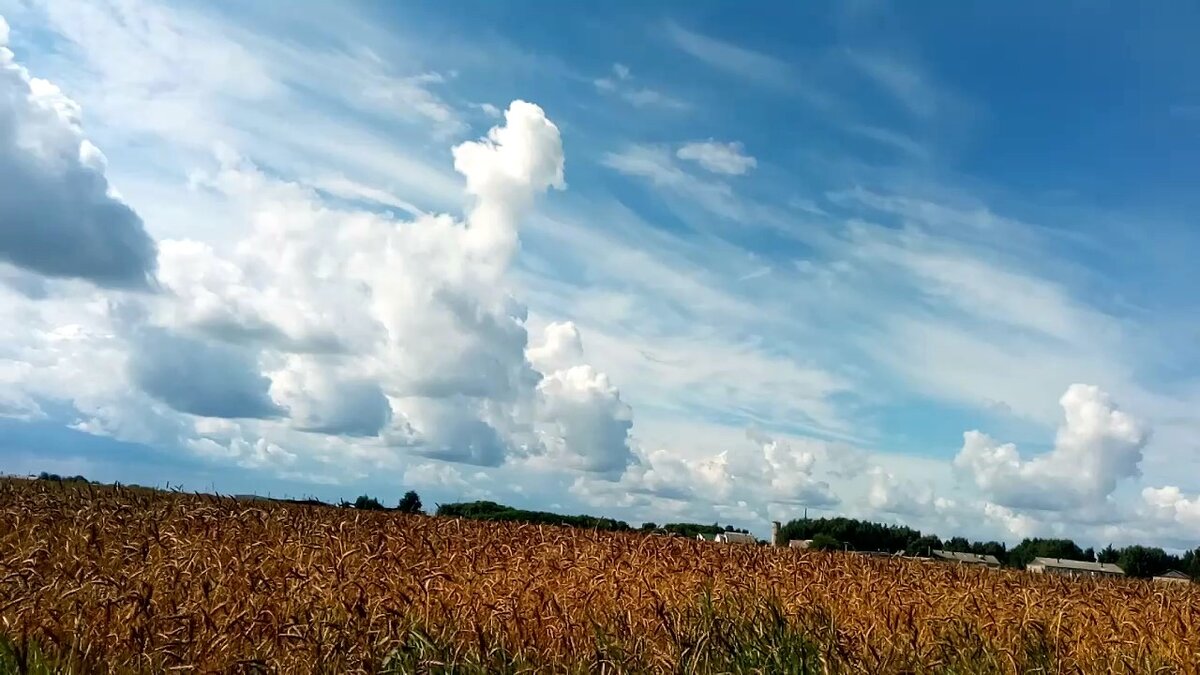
(405, 330)
(58, 215)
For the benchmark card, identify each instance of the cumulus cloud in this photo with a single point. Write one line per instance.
(889, 494)
(1097, 446)
(724, 158)
(58, 215)
(257, 454)
(320, 398)
(235, 303)
(591, 420)
(587, 422)
(200, 377)
(1170, 504)
(561, 348)
(504, 172)
(434, 474)
(787, 472)
(375, 325)
(667, 474)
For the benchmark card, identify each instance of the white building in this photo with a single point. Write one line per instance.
(728, 538)
(1074, 568)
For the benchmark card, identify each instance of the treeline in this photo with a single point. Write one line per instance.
(63, 479)
(484, 510)
(409, 503)
(859, 535)
(691, 530)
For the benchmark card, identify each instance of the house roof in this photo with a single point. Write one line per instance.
(959, 556)
(1173, 574)
(1078, 565)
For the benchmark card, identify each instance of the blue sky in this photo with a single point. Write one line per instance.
(924, 265)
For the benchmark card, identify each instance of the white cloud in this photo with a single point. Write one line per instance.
(258, 454)
(591, 421)
(413, 96)
(889, 494)
(323, 326)
(434, 475)
(320, 397)
(650, 98)
(1170, 504)
(503, 172)
(491, 110)
(58, 214)
(1097, 446)
(723, 158)
(340, 186)
(562, 347)
(666, 474)
(731, 58)
(787, 472)
(656, 164)
(620, 84)
(587, 423)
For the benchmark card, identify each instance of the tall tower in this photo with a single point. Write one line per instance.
(775, 533)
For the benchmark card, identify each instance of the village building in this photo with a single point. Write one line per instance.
(1173, 577)
(728, 538)
(965, 558)
(1073, 568)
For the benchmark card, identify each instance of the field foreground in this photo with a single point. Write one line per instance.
(113, 580)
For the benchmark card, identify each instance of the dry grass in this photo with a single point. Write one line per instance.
(101, 579)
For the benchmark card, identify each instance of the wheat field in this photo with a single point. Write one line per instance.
(118, 580)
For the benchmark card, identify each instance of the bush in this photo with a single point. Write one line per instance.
(824, 542)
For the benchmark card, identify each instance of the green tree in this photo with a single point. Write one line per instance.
(922, 545)
(1022, 554)
(824, 542)
(1108, 554)
(992, 548)
(1190, 564)
(959, 544)
(410, 503)
(368, 503)
(1144, 561)
(649, 526)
